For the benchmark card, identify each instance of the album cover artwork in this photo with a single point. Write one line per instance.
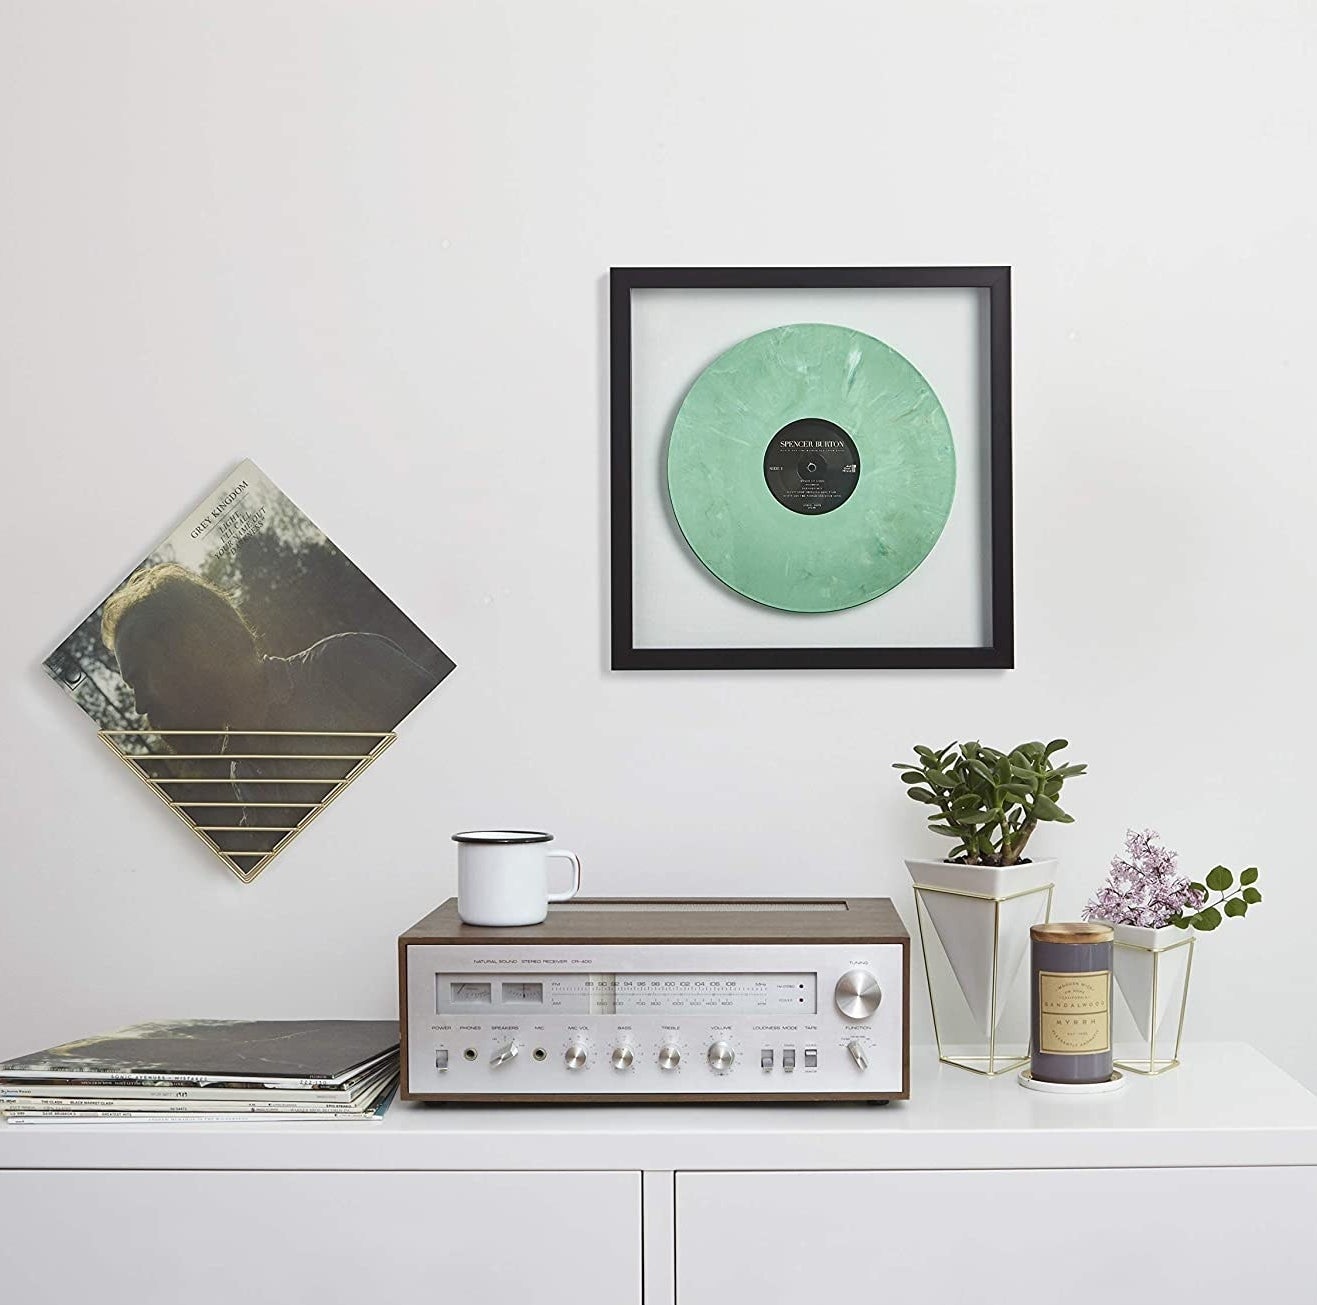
(247, 669)
(303, 1052)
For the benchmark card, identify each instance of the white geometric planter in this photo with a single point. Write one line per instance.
(1152, 968)
(979, 919)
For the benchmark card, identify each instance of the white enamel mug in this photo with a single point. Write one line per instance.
(503, 876)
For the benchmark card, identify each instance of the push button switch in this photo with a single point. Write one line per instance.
(766, 1058)
(811, 1058)
(788, 1059)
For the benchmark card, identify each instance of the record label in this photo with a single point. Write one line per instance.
(811, 466)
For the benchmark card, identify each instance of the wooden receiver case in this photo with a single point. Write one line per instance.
(660, 1000)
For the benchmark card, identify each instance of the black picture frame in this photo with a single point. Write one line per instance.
(998, 653)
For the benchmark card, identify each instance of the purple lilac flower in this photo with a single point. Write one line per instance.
(1144, 887)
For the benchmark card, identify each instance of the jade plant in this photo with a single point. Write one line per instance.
(990, 802)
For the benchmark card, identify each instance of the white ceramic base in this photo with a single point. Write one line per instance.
(1134, 960)
(965, 924)
(1113, 1084)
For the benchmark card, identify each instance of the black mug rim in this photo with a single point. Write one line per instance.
(495, 838)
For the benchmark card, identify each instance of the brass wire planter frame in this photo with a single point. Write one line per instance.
(1152, 1066)
(991, 1065)
(160, 784)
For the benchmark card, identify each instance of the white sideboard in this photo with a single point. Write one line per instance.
(1200, 1185)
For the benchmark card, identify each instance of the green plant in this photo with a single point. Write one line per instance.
(1234, 899)
(990, 802)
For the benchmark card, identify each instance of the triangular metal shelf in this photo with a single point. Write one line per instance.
(337, 749)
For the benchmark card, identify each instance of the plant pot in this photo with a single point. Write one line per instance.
(1151, 968)
(981, 915)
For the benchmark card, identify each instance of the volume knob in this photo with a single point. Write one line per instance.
(575, 1056)
(857, 994)
(721, 1057)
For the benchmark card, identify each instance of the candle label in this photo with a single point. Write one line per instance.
(1074, 1012)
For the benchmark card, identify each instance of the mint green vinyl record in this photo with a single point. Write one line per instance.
(811, 468)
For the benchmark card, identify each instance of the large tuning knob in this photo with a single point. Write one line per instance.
(857, 994)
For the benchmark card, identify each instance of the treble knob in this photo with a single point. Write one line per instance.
(575, 1056)
(669, 1057)
(622, 1057)
(857, 994)
(721, 1057)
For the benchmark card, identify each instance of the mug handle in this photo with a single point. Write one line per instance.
(576, 875)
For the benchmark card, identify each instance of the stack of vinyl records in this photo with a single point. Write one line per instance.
(209, 1072)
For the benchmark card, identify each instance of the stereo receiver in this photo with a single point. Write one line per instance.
(773, 999)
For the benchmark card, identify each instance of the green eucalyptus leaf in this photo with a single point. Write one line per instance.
(1207, 920)
(1181, 922)
(1249, 876)
(1219, 879)
(1252, 896)
(1236, 906)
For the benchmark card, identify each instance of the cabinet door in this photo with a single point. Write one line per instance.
(212, 1238)
(943, 1238)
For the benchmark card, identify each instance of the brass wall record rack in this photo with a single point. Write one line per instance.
(166, 772)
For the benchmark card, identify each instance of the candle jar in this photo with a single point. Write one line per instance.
(1071, 1002)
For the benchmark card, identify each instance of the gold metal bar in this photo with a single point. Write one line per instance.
(249, 828)
(236, 803)
(226, 779)
(309, 734)
(245, 756)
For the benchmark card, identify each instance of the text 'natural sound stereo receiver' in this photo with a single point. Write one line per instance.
(774, 999)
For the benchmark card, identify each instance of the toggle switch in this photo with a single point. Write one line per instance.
(788, 1059)
(766, 1058)
(441, 1059)
(811, 1058)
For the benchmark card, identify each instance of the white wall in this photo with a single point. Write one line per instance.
(365, 243)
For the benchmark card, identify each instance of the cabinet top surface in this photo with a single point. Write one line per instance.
(1226, 1105)
(685, 920)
